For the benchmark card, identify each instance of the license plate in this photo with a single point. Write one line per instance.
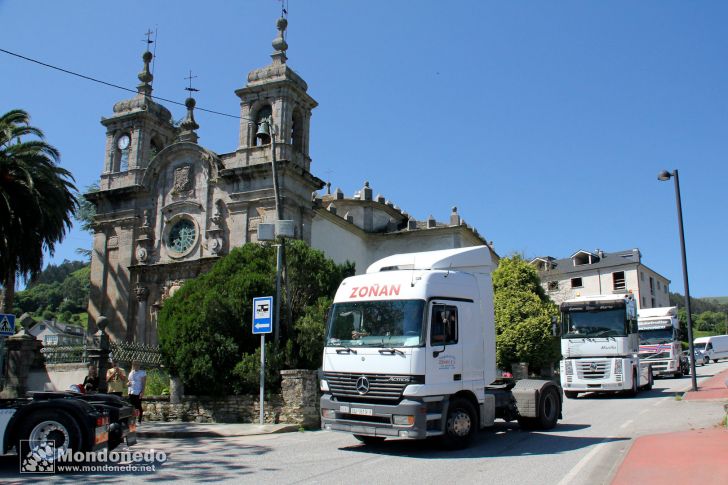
(361, 411)
(344, 409)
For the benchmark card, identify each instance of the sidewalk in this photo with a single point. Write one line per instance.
(159, 429)
(696, 456)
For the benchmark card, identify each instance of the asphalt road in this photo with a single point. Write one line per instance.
(586, 447)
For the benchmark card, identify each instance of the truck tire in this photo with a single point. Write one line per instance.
(369, 440)
(460, 424)
(650, 381)
(548, 411)
(52, 426)
(571, 394)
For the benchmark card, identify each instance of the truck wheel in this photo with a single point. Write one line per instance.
(369, 440)
(571, 394)
(460, 425)
(650, 381)
(548, 411)
(52, 427)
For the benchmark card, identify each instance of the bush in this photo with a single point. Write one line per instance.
(157, 383)
(310, 333)
(205, 332)
(522, 316)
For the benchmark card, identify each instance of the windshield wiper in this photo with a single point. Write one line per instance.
(391, 350)
(346, 350)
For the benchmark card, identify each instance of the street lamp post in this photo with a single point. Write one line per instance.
(664, 176)
(266, 128)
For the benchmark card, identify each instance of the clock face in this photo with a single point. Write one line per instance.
(123, 142)
(181, 236)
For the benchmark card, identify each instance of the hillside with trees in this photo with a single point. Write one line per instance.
(58, 292)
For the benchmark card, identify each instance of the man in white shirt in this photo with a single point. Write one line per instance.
(136, 383)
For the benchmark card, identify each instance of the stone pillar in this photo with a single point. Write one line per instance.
(142, 293)
(99, 353)
(176, 390)
(300, 392)
(22, 352)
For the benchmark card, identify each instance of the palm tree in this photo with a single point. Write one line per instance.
(37, 201)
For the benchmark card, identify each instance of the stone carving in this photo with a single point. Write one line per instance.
(183, 181)
(142, 254)
(141, 292)
(215, 246)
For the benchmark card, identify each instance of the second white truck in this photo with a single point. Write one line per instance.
(410, 353)
(600, 345)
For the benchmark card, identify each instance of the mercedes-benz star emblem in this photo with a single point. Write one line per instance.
(362, 385)
(593, 366)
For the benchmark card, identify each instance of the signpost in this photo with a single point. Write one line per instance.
(7, 324)
(262, 324)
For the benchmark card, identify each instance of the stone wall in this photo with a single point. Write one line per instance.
(297, 403)
(56, 377)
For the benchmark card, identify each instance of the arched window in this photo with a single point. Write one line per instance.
(155, 147)
(262, 134)
(297, 130)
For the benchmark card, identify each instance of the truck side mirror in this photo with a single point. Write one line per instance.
(555, 326)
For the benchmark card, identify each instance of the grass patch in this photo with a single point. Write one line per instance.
(678, 396)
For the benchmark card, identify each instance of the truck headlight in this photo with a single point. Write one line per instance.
(618, 366)
(323, 385)
(403, 420)
(328, 413)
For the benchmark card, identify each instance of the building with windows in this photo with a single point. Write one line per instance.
(600, 273)
(168, 208)
(52, 332)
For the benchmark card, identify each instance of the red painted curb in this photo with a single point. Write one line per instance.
(713, 388)
(698, 456)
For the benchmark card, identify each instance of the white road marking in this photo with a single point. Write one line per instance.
(661, 401)
(626, 424)
(644, 411)
(583, 462)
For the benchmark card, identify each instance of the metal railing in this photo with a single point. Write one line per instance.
(125, 352)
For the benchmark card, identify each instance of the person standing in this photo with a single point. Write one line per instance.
(115, 379)
(137, 383)
(91, 382)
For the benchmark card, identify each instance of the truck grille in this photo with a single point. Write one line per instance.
(593, 370)
(382, 387)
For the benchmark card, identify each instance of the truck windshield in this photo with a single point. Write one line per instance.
(390, 323)
(699, 346)
(656, 336)
(594, 323)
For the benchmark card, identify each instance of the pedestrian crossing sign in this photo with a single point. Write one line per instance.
(7, 324)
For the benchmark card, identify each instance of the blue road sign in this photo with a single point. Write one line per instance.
(7, 324)
(262, 314)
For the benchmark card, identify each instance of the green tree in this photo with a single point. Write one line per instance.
(205, 332)
(522, 316)
(36, 201)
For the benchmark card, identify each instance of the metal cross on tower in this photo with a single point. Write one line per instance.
(190, 88)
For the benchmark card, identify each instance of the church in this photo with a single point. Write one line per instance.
(167, 208)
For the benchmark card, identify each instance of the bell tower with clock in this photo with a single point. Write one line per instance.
(135, 133)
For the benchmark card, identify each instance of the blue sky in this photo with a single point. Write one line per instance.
(545, 123)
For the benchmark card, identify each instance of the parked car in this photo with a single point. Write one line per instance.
(700, 359)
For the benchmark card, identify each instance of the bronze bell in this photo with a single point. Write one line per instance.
(263, 133)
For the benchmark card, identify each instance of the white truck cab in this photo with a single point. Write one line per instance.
(600, 345)
(660, 346)
(410, 353)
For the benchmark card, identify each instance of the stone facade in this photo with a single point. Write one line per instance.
(297, 403)
(168, 208)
